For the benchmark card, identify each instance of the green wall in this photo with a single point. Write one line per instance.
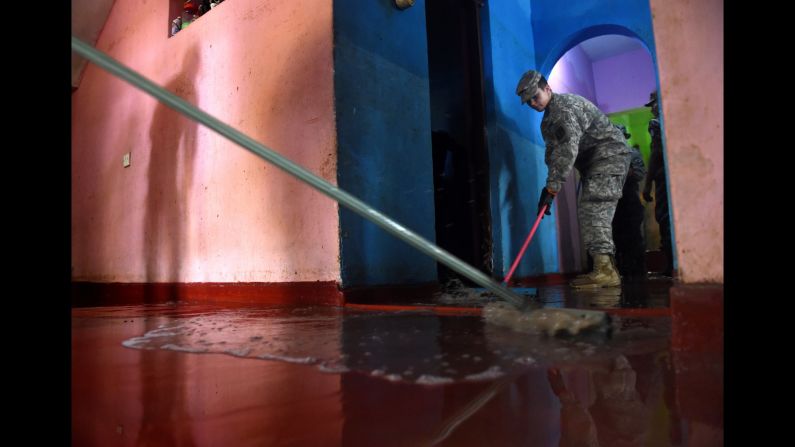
(637, 123)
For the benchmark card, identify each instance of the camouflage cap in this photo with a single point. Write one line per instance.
(652, 99)
(529, 81)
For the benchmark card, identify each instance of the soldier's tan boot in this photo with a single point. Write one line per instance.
(604, 274)
(583, 275)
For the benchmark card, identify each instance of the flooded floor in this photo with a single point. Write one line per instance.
(428, 373)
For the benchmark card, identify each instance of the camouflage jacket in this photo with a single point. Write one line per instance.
(578, 134)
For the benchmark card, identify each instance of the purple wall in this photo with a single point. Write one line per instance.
(624, 81)
(573, 73)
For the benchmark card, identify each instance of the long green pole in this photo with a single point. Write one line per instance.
(111, 65)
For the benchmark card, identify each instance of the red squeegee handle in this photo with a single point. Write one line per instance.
(526, 244)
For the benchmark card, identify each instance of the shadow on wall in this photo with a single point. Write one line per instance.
(518, 200)
(279, 119)
(169, 177)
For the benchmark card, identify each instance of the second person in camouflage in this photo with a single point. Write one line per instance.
(577, 134)
(658, 176)
(627, 222)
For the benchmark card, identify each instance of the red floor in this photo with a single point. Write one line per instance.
(211, 375)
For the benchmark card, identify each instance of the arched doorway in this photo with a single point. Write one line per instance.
(616, 72)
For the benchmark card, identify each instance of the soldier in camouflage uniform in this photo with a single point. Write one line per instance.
(577, 134)
(658, 176)
(627, 235)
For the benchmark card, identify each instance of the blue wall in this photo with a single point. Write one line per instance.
(557, 29)
(384, 138)
(516, 149)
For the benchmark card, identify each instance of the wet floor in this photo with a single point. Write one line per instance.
(201, 374)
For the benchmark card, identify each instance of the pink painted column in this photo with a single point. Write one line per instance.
(689, 40)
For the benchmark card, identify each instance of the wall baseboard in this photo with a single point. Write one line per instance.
(85, 294)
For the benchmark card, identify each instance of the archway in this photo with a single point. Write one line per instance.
(615, 70)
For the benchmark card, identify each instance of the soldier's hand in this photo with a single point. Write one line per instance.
(647, 195)
(545, 199)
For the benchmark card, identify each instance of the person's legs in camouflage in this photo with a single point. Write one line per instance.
(633, 264)
(595, 218)
(600, 194)
(622, 234)
(618, 232)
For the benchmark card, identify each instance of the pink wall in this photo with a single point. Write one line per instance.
(624, 81)
(194, 207)
(689, 40)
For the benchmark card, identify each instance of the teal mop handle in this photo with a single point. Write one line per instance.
(390, 226)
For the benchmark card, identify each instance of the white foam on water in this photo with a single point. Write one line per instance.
(427, 379)
(135, 342)
(239, 352)
(420, 350)
(173, 347)
(333, 369)
(526, 360)
(301, 360)
(492, 373)
(142, 341)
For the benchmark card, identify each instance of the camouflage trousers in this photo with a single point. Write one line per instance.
(627, 234)
(602, 186)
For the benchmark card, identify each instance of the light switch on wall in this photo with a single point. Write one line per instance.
(125, 160)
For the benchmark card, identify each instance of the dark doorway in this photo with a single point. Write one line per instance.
(460, 157)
